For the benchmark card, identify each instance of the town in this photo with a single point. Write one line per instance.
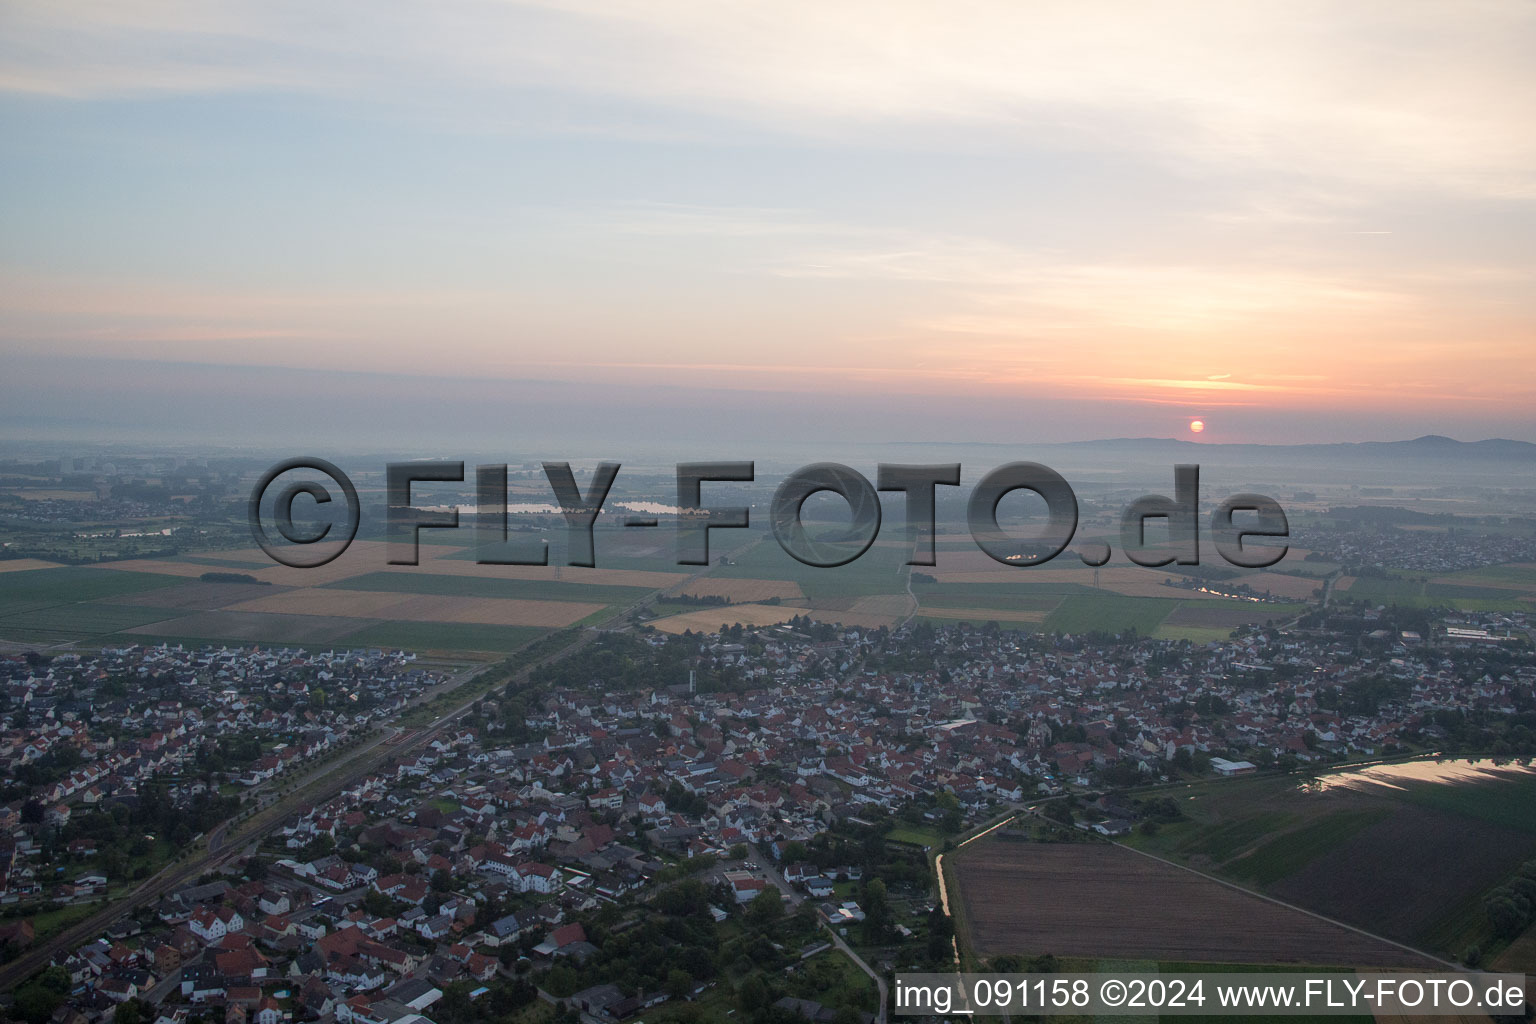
(754, 796)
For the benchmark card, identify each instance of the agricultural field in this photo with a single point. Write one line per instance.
(708, 620)
(407, 581)
(444, 637)
(25, 565)
(247, 627)
(1277, 584)
(1494, 588)
(1088, 613)
(49, 588)
(743, 590)
(761, 584)
(374, 604)
(880, 570)
(1405, 850)
(1097, 900)
(167, 602)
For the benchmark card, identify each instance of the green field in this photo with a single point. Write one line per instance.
(880, 570)
(614, 547)
(977, 596)
(1108, 613)
(489, 586)
(972, 592)
(45, 588)
(1277, 857)
(1511, 803)
(70, 604)
(89, 618)
(1194, 634)
(1419, 592)
(442, 636)
(1404, 857)
(918, 834)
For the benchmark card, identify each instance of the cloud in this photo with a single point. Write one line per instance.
(1409, 94)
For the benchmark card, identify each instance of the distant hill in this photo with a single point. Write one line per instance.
(1431, 460)
(1430, 445)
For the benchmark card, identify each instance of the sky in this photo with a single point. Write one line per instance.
(735, 220)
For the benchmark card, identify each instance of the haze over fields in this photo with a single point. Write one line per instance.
(680, 221)
(464, 773)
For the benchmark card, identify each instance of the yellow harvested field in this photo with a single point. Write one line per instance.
(747, 591)
(1281, 585)
(1344, 582)
(362, 556)
(23, 564)
(983, 614)
(366, 604)
(900, 605)
(710, 620)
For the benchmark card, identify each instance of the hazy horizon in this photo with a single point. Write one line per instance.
(1291, 223)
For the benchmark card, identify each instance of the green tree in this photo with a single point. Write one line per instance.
(130, 1012)
(940, 931)
(752, 994)
(878, 926)
(679, 983)
(36, 1002)
(766, 909)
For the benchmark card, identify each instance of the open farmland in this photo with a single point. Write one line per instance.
(407, 581)
(745, 591)
(165, 601)
(1108, 613)
(25, 564)
(1487, 589)
(1406, 850)
(975, 615)
(1280, 585)
(1102, 901)
(249, 627)
(374, 604)
(200, 595)
(708, 620)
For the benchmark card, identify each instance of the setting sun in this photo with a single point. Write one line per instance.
(1196, 426)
